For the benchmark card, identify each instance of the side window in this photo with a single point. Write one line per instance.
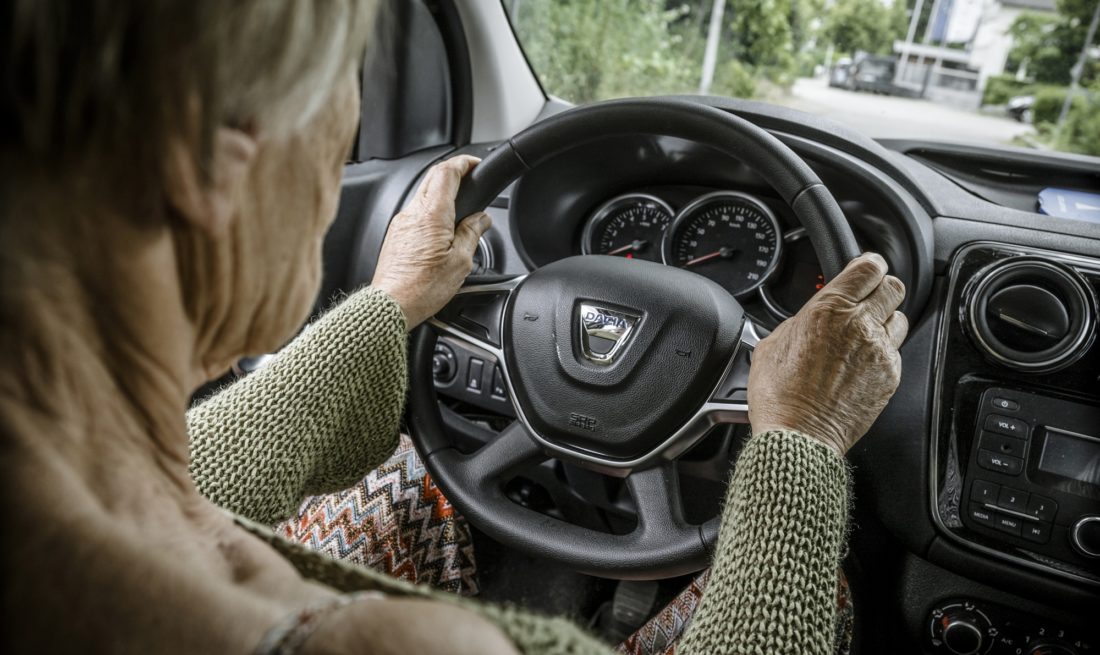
(406, 81)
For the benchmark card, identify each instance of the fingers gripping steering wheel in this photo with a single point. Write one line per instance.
(614, 364)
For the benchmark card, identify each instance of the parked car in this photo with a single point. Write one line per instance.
(873, 73)
(840, 73)
(1020, 108)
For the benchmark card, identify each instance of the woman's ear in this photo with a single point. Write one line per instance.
(211, 204)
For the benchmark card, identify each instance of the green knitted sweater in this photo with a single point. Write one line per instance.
(327, 409)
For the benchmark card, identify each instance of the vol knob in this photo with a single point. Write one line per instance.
(962, 636)
(1086, 536)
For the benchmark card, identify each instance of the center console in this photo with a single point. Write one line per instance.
(1016, 452)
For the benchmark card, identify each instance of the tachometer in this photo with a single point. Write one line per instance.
(797, 279)
(629, 226)
(729, 237)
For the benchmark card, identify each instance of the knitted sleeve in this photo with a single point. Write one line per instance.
(772, 585)
(314, 420)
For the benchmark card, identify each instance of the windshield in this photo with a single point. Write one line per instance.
(1002, 72)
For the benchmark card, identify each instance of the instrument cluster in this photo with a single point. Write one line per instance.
(731, 237)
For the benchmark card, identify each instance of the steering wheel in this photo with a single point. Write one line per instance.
(619, 365)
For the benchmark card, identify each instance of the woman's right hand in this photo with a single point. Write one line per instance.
(425, 257)
(829, 371)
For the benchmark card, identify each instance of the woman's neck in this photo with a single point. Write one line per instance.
(96, 385)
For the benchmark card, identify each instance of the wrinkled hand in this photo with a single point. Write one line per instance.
(425, 258)
(829, 371)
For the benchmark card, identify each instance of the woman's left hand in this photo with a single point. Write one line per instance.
(426, 257)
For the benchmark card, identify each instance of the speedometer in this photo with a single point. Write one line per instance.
(630, 226)
(729, 237)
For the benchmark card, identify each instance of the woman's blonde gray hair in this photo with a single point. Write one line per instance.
(101, 89)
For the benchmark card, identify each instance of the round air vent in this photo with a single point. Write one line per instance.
(1031, 314)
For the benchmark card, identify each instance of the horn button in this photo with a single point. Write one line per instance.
(611, 356)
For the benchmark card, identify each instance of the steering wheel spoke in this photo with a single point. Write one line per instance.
(657, 496)
(511, 449)
(476, 313)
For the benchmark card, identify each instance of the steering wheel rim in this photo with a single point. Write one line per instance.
(508, 325)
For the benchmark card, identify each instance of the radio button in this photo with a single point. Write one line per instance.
(1037, 532)
(983, 491)
(1009, 524)
(993, 461)
(1002, 444)
(1013, 427)
(1006, 404)
(981, 515)
(1041, 508)
(1013, 499)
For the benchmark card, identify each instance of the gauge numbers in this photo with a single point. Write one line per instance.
(630, 226)
(729, 237)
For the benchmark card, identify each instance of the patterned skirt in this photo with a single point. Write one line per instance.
(397, 521)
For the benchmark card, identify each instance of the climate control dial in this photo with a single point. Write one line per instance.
(960, 629)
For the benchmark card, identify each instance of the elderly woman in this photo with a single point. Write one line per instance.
(169, 169)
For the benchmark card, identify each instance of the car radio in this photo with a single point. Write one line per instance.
(1033, 478)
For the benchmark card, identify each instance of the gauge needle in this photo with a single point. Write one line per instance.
(724, 252)
(633, 246)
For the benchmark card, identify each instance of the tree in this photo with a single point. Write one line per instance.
(587, 50)
(1049, 45)
(864, 25)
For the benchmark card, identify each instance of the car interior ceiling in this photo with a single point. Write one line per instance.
(965, 511)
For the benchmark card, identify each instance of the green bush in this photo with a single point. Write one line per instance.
(999, 89)
(1048, 104)
(1081, 131)
(734, 79)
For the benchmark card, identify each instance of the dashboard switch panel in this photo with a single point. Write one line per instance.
(1016, 446)
(969, 627)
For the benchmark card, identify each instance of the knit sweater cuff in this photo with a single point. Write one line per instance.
(324, 412)
(773, 582)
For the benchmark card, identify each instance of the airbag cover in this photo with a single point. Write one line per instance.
(683, 330)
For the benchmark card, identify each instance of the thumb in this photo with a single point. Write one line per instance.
(469, 231)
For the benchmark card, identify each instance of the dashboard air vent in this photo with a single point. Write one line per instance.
(1030, 314)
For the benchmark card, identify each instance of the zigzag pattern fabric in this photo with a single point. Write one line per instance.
(396, 521)
(661, 633)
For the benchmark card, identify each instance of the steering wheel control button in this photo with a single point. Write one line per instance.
(994, 461)
(1036, 532)
(1006, 404)
(1085, 536)
(1041, 508)
(1001, 444)
(498, 390)
(474, 375)
(983, 491)
(1012, 427)
(444, 365)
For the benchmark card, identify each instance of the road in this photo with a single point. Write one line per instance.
(888, 116)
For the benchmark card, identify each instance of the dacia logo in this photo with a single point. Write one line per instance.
(606, 320)
(604, 332)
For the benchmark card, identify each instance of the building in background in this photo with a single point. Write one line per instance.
(965, 42)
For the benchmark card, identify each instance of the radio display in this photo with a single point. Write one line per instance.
(1071, 455)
